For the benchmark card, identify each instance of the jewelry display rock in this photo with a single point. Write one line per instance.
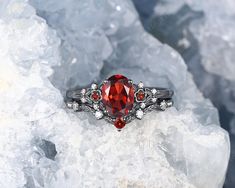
(49, 46)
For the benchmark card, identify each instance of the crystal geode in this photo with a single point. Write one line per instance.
(48, 46)
(203, 33)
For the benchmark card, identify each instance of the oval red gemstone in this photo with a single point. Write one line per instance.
(119, 123)
(118, 95)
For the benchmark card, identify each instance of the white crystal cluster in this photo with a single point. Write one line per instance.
(215, 33)
(204, 33)
(216, 37)
(48, 46)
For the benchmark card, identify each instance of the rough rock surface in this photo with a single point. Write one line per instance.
(204, 33)
(48, 46)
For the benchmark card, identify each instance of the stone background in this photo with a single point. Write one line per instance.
(48, 46)
(203, 32)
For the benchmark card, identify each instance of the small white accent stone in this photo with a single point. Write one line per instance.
(83, 91)
(169, 104)
(163, 105)
(154, 91)
(130, 81)
(96, 106)
(140, 85)
(69, 104)
(139, 114)
(98, 114)
(142, 105)
(94, 86)
(154, 99)
(75, 106)
(83, 99)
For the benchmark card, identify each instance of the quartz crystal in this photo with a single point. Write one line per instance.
(48, 46)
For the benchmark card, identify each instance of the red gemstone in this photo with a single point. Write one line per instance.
(118, 95)
(119, 123)
(95, 95)
(140, 95)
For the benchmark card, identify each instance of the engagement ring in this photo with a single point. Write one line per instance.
(118, 100)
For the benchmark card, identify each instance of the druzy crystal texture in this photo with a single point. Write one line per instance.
(48, 46)
(204, 33)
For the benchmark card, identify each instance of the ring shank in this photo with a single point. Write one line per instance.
(163, 93)
(74, 94)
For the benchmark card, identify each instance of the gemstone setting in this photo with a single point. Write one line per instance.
(95, 96)
(118, 96)
(119, 123)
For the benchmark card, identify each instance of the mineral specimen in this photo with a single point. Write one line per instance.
(48, 46)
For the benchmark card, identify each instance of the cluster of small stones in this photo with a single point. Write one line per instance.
(92, 99)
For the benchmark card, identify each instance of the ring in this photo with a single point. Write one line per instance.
(118, 100)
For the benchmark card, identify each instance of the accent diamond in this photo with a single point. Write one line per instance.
(83, 99)
(83, 91)
(140, 85)
(98, 114)
(154, 100)
(96, 106)
(75, 106)
(163, 105)
(142, 105)
(69, 104)
(154, 91)
(94, 86)
(139, 114)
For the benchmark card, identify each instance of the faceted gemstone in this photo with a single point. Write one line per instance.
(118, 95)
(140, 95)
(95, 96)
(119, 123)
(139, 114)
(98, 114)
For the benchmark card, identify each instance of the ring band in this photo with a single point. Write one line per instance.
(118, 100)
